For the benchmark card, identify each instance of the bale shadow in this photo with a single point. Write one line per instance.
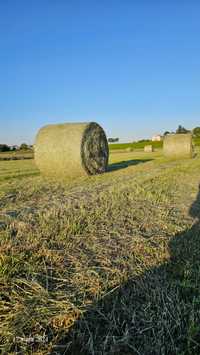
(157, 313)
(126, 163)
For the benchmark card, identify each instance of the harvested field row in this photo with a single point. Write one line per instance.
(8, 158)
(98, 264)
(17, 155)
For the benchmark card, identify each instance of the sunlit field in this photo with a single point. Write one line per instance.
(101, 265)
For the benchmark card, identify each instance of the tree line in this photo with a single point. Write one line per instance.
(181, 130)
(7, 148)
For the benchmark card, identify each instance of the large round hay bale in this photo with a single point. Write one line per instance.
(178, 146)
(148, 149)
(71, 149)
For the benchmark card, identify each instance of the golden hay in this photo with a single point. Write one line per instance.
(148, 149)
(178, 146)
(71, 149)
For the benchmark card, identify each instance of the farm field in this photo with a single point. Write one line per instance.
(141, 145)
(101, 265)
(16, 155)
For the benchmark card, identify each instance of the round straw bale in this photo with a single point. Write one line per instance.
(71, 149)
(178, 146)
(148, 149)
(129, 149)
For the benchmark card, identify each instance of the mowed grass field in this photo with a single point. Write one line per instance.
(101, 265)
(16, 155)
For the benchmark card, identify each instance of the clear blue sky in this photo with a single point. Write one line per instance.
(131, 65)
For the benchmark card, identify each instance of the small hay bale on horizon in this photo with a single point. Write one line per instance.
(178, 146)
(129, 149)
(71, 149)
(148, 149)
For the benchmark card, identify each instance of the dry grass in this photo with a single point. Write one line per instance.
(101, 265)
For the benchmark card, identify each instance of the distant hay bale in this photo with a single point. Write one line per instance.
(71, 149)
(129, 149)
(148, 149)
(178, 146)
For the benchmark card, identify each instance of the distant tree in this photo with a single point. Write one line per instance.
(113, 140)
(166, 133)
(4, 148)
(181, 129)
(24, 146)
(196, 132)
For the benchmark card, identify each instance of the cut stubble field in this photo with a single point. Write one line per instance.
(101, 265)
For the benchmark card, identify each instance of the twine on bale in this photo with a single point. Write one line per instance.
(178, 146)
(72, 149)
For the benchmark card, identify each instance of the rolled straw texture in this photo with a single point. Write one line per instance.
(71, 149)
(148, 149)
(178, 146)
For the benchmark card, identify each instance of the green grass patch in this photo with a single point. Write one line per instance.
(141, 145)
(137, 145)
(197, 141)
